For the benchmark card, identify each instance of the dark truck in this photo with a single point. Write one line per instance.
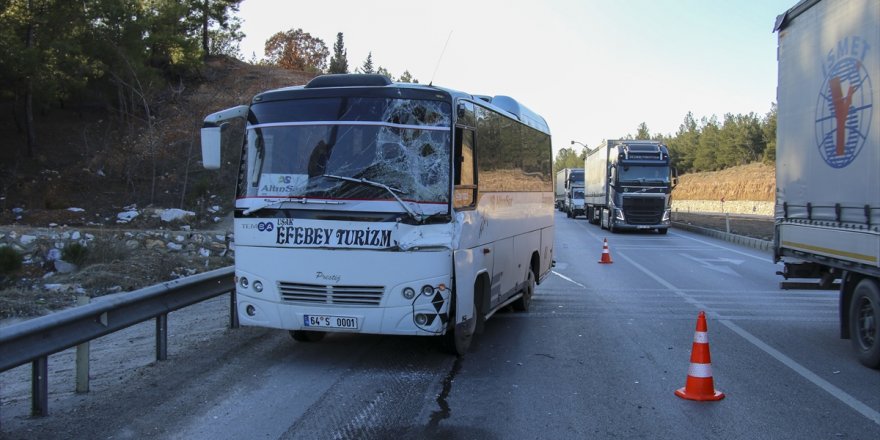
(628, 185)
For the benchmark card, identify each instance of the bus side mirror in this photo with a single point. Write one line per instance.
(211, 141)
(212, 134)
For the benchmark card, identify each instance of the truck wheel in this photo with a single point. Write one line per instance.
(522, 304)
(306, 335)
(864, 313)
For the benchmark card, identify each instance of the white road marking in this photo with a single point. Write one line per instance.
(763, 258)
(568, 279)
(836, 392)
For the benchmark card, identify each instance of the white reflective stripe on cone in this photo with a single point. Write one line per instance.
(701, 337)
(700, 370)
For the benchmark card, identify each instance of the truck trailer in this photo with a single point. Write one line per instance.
(828, 159)
(570, 191)
(628, 185)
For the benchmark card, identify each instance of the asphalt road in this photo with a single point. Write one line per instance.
(598, 356)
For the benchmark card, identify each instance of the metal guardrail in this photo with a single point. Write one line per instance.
(754, 243)
(34, 340)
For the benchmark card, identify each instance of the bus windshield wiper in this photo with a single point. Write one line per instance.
(278, 203)
(391, 190)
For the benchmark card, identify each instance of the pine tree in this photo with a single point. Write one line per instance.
(339, 62)
(408, 78)
(368, 64)
(643, 132)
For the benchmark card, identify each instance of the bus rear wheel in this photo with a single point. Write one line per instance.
(306, 335)
(522, 304)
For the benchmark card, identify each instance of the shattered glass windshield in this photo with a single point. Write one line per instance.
(294, 148)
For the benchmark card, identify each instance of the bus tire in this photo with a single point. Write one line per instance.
(523, 303)
(306, 335)
(864, 313)
(458, 337)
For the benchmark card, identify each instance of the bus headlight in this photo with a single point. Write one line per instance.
(244, 283)
(258, 286)
(421, 319)
(409, 293)
(427, 290)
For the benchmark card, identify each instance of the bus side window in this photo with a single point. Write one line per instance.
(465, 195)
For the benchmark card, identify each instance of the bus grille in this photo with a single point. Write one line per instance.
(330, 295)
(643, 210)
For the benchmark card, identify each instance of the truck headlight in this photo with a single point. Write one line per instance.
(667, 215)
(618, 214)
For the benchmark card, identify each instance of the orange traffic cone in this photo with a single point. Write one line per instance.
(699, 385)
(606, 255)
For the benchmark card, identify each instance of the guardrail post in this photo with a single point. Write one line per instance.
(727, 222)
(82, 356)
(233, 310)
(40, 387)
(162, 337)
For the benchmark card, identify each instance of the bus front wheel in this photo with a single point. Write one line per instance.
(458, 337)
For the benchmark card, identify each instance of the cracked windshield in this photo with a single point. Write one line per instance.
(294, 147)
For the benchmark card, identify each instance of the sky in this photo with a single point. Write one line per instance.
(594, 69)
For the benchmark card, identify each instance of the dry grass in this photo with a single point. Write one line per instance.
(753, 182)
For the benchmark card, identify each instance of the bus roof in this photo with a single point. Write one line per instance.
(502, 104)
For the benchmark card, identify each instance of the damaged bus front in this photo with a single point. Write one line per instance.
(343, 216)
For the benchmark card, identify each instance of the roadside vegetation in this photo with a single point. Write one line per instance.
(707, 145)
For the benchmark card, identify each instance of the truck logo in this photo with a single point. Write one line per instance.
(844, 106)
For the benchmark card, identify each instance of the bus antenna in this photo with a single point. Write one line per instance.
(431, 83)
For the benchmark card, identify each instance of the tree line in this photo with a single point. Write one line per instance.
(707, 145)
(298, 50)
(126, 53)
(120, 51)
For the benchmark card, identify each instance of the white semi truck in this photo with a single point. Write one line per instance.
(828, 158)
(570, 191)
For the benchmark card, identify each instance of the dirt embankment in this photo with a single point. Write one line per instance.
(746, 189)
(752, 182)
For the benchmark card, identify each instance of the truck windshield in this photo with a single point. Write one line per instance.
(644, 174)
(293, 146)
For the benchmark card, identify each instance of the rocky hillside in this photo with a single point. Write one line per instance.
(752, 182)
(102, 161)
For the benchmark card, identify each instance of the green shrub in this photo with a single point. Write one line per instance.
(10, 260)
(74, 253)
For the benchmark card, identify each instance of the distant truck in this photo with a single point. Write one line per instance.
(628, 185)
(570, 191)
(828, 158)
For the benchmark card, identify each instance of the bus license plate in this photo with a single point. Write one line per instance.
(327, 321)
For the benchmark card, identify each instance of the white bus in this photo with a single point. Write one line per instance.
(368, 206)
